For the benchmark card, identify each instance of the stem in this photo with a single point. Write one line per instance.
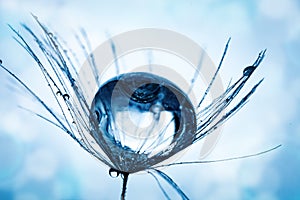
(125, 180)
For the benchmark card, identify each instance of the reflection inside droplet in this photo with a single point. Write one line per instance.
(140, 112)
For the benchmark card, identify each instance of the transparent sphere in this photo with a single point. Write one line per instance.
(141, 119)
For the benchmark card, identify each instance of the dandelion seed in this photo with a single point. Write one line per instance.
(136, 120)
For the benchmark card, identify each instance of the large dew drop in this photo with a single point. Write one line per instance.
(142, 119)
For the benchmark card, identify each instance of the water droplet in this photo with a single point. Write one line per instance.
(138, 112)
(248, 70)
(114, 173)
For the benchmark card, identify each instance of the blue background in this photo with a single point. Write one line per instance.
(38, 161)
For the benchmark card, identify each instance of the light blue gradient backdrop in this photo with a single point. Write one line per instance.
(38, 161)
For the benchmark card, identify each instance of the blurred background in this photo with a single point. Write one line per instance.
(39, 161)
